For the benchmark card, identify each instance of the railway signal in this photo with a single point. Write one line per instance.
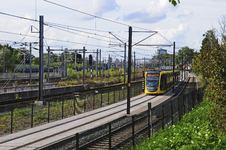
(90, 59)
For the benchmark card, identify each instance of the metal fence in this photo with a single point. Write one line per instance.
(129, 131)
(21, 116)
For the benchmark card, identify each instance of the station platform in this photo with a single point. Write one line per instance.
(41, 136)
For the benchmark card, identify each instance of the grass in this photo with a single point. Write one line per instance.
(194, 131)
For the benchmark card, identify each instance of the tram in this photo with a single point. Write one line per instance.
(159, 82)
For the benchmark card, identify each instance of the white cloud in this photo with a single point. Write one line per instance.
(99, 7)
(185, 14)
(156, 11)
(173, 34)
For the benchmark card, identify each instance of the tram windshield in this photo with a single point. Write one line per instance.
(152, 81)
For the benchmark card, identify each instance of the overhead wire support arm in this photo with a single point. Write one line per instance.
(144, 39)
(165, 45)
(116, 37)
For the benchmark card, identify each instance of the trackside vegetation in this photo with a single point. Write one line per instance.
(194, 131)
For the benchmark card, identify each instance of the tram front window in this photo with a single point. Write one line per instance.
(152, 81)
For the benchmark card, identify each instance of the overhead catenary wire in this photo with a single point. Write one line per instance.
(34, 20)
(93, 15)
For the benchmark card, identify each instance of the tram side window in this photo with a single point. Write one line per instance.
(163, 82)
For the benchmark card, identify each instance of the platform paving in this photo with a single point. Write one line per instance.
(40, 136)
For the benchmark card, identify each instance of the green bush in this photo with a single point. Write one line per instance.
(73, 76)
(194, 131)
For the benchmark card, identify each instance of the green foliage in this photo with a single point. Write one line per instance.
(72, 76)
(210, 62)
(194, 131)
(45, 76)
(17, 97)
(184, 51)
(174, 2)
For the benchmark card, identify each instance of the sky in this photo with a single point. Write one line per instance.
(106, 27)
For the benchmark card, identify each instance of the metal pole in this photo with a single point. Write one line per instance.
(182, 67)
(24, 64)
(4, 61)
(144, 63)
(134, 65)
(100, 62)
(125, 64)
(30, 64)
(154, 62)
(173, 63)
(41, 18)
(97, 64)
(129, 70)
(65, 63)
(75, 61)
(185, 63)
(62, 65)
(108, 64)
(48, 63)
(83, 65)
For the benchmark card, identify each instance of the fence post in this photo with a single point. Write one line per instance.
(85, 103)
(184, 98)
(109, 136)
(123, 92)
(48, 110)
(178, 100)
(108, 97)
(114, 96)
(93, 100)
(171, 105)
(77, 141)
(101, 99)
(133, 130)
(163, 116)
(62, 108)
(11, 130)
(74, 106)
(32, 105)
(149, 117)
(119, 95)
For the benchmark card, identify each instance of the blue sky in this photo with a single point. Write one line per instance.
(185, 24)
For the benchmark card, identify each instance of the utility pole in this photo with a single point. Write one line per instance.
(24, 64)
(83, 65)
(62, 65)
(182, 66)
(48, 62)
(129, 70)
(97, 64)
(75, 61)
(173, 63)
(154, 62)
(124, 64)
(108, 64)
(100, 62)
(30, 64)
(134, 65)
(4, 62)
(41, 36)
(65, 62)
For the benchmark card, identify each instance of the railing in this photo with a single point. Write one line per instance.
(27, 115)
(129, 131)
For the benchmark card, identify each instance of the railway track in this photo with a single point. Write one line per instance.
(102, 143)
(37, 136)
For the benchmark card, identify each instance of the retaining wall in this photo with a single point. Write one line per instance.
(46, 92)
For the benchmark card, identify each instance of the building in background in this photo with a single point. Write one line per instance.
(161, 51)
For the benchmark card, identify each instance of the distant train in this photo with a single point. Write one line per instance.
(159, 82)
